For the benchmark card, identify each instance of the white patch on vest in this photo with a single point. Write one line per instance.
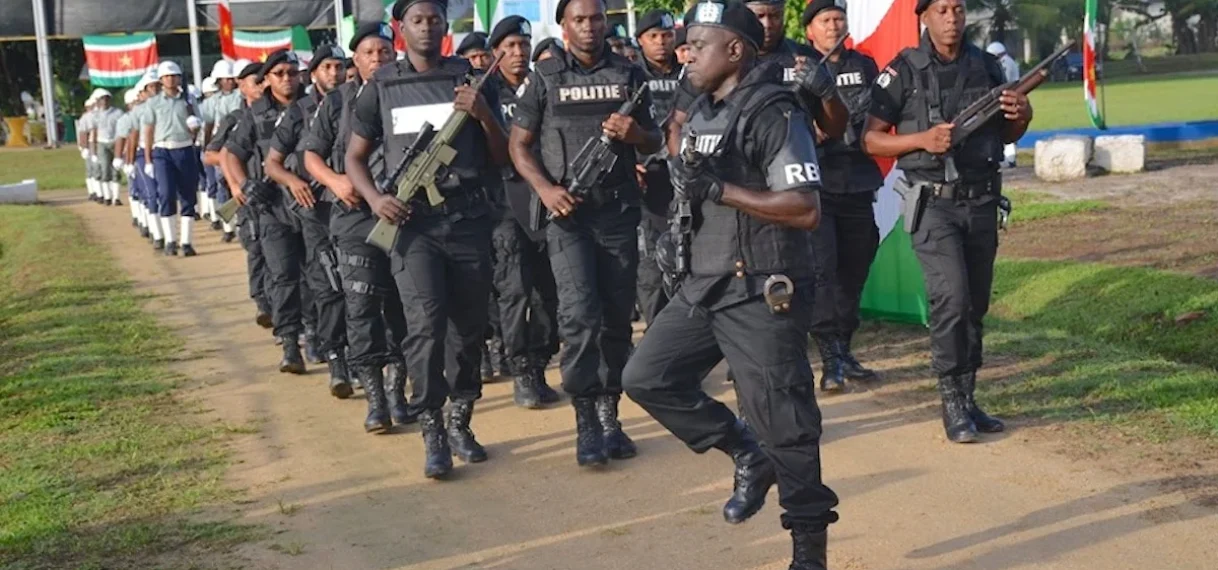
(884, 79)
(802, 173)
(590, 93)
(788, 75)
(409, 120)
(706, 143)
(849, 79)
(662, 85)
(523, 86)
(509, 111)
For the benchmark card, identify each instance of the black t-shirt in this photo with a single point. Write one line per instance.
(323, 131)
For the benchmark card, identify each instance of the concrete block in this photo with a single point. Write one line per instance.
(24, 192)
(1063, 157)
(1121, 154)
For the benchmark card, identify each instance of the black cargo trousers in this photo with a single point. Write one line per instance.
(527, 296)
(376, 323)
(843, 248)
(329, 303)
(259, 275)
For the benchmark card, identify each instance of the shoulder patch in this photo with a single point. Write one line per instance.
(524, 85)
(885, 78)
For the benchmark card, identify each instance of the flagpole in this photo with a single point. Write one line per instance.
(196, 61)
(338, 24)
(44, 72)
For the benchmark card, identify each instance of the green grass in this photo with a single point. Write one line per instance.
(1128, 101)
(1104, 343)
(100, 467)
(60, 169)
(1029, 206)
(1199, 62)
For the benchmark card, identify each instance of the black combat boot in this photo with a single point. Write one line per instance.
(293, 362)
(340, 382)
(488, 369)
(589, 439)
(216, 226)
(310, 347)
(537, 368)
(753, 477)
(228, 237)
(438, 458)
(956, 421)
(500, 363)
(850, 364)
(832, 378)
(524, 387)
(397, 395)
(985, 423)
(809, 548)
(263, 316)
(144, 233)
(377, 420)
(617, 443)
(460, 436)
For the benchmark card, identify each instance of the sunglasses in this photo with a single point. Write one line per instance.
(293, 72)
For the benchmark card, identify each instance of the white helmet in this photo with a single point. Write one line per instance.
(98, 94)
(131, 96)
(209, 85)
(996, 48)
(222, 70)
(168, 68)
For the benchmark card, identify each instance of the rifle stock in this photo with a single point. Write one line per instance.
(228, 210)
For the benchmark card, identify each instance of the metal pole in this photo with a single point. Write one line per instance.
(630, 23)
(196, 61)
(44, 71)
(338, 24)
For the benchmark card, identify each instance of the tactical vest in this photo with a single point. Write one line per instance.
(294, 162)
(264, 114)
(727, 240)
(934, 101)
(844, 167)
(784, 56)
(409, 98)
(576, 105)
(663, 88)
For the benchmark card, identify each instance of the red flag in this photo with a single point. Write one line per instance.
(227, 49)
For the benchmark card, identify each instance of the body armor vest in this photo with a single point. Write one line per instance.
(727, 240)
(939, 93)
(845, 168)
(663, 87)
(576, 105)
(784, 56)
(294, 162)
(347, 93)
(409, 98)
(264, 114)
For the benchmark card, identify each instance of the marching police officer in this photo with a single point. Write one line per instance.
(285, 166)
(376, 321)
(527, 297)
(663, 73)
(442, 258)
(956, 239)
(278, 229)
(593, 244)
(748, 291)
(546, 49)
(474, 49)
(845, 243)
(170, 158)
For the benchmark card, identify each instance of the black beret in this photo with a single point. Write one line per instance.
(562, 7)
(248, 70)
(548, 43)
(679, 38)
(323, 53)
(764, 2)
(922, 6)
(817, 6)
(400, 7)
(655, 19)
(730, 15)
(473, 40)
(276, 58)
(379, 29)
(510, 26)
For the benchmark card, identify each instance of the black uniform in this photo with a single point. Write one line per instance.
(247, 227)
(441, 263)
(594, 254)
(845, 243)
(278, 228)
(527, 295)
(376, 322)
(719, 311)
(957, 239)
(657, 195)
(331, 327)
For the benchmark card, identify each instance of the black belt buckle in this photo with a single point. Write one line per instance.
(778, 290)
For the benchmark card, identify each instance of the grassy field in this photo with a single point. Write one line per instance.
(1028, 206)
(100, 467)
(1128, 101)
(59, 169)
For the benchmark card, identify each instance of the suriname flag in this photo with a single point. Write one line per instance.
(119, 60)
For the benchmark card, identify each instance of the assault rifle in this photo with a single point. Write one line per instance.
(421, 172)
(680, 227)
(973, 117)
(595, 159)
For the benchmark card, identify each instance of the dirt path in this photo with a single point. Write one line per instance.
(337, 498)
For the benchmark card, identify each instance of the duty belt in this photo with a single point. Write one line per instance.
(606, 196)
(454, 203)
(964, 190)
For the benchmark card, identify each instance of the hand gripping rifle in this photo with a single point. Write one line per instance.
(680, 226)
(421, 170)
(597, 158)
(982, 110)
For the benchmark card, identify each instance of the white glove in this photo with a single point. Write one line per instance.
(84, 154)
(193, 123)
(94, 158)
(118, 164)
(149, 171)
(129, 170)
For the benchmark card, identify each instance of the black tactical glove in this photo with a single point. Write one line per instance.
(817, 80)
(698, 184)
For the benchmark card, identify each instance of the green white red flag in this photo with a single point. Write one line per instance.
(119, 61)
(1089, 77)
(256, 46)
